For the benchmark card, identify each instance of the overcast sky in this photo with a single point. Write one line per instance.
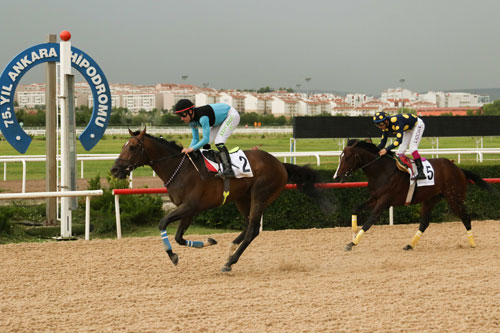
(353, 45)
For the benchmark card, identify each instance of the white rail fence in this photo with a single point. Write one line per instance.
(43, 195)
(479, 152)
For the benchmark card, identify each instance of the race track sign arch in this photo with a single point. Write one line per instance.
(36, 55)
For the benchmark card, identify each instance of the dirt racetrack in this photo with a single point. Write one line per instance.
(286, 281)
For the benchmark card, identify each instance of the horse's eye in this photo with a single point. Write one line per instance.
(132, 148)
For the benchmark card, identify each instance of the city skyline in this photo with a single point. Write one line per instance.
(356, 46)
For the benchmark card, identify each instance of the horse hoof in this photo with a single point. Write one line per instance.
(174, 258)
(407, 248)
(226, 269)
(349, 246)
(211, 241)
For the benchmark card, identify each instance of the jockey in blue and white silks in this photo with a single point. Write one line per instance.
(408, 129)
(217, 122)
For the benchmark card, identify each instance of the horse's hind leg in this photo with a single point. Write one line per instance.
(181, 229)
(248, 235)
(243, 206)
(458, 207)
(425, 217)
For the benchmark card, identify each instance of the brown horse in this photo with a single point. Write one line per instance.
(388, 186)
(192, 189)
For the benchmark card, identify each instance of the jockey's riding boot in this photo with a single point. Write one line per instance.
(226, 162)
(420, 169)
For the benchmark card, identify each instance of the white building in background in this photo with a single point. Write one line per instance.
(251, 102)
(286, 106)
(164, 96)
(204, 98)
(233, 98)
(357, 99)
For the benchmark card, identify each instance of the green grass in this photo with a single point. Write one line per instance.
(267, 142)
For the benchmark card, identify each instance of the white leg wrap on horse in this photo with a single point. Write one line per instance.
(416, 238)
(354, 223)
(358, 237)
(470, 236)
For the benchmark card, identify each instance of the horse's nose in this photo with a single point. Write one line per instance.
(114, 171)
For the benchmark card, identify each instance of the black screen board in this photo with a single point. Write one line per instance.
(363, 127)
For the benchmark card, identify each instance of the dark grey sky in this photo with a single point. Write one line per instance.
(352, 45)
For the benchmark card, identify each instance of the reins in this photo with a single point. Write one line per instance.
(371, 162)
(150, 161)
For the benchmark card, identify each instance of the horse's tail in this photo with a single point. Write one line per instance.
(305, 178)
(478, 181)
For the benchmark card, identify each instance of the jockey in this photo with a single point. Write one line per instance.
(408, 129)
(217, 122)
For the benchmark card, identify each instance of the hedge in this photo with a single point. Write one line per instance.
(293, 210)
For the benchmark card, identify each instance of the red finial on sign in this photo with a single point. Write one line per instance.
(65, 35)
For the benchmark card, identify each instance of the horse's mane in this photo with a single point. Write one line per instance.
(171, 144)
(368, 146)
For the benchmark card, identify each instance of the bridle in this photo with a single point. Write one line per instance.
(349, 172)
(132, 166)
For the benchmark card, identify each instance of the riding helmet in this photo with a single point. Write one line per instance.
(183, 105)
(380, 116)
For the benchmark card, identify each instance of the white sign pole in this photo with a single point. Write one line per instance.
(64, 69)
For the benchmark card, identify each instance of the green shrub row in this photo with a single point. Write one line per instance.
(293, 210)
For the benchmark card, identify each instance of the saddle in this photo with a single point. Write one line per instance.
(239, 162)
(406, 165)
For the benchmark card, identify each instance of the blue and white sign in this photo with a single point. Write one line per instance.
(36, 55)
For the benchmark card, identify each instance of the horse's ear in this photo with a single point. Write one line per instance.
(141, 133)
(131, 133)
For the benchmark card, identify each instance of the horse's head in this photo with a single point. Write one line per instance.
(348, 162)
(357, 154)
(133, 155)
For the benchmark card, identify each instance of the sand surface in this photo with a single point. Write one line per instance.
(286, 281)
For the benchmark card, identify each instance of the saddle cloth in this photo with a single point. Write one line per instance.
(412, 170)
(239, 163)
(408, 166)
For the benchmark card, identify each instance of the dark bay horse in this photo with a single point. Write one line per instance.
(388, 186)
(192, 189)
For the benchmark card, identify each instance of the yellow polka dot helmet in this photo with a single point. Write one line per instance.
(380, 116)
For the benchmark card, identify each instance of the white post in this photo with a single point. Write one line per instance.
(64, 69)
(24, 176)
(118, 220)
(391, 215)
(87, 217)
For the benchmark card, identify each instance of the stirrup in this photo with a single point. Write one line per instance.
(418, 176)
(225, 174)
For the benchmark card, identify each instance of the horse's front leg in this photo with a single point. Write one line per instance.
(357, 211)
(181, 229)
(177, 214)
(379, 206)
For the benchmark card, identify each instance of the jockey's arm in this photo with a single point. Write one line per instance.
(205, 130)
(383, 141)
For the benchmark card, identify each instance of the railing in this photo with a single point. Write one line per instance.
(40, 195)
(479, 152)
(162, 190)
(154, 130)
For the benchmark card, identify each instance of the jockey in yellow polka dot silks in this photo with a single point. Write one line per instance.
(408, 129)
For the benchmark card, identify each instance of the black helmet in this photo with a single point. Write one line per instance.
(380, 117)
(182, 106)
